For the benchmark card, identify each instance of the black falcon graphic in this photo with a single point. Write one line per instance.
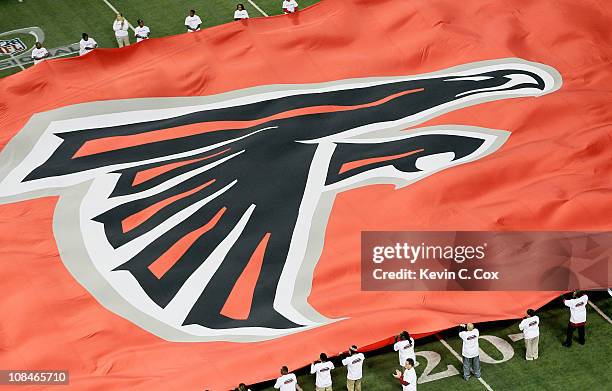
(201, 189)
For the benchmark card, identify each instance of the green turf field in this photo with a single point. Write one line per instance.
(63, 21)
(558, 368)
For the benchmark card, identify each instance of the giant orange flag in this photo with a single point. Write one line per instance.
(186, 213)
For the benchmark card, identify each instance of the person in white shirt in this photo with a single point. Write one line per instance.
(322, 368)
(86, 44)
(404, 345)
(141, 32)
(354, 366)
(121, 26)
(470, 350)
(287, 381)
(577, 306)
(193, 22)
(530, 326)
(409, 378)
(39, 53)
(290, 6)
(240, 12)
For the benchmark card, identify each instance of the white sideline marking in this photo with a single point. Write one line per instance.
(446, 345)
(600, 312)
(257, 8)
(116, 12)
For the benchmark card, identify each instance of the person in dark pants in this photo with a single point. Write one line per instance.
(577, 306)
(470, 350)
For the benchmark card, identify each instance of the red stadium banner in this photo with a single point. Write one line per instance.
(186, 213)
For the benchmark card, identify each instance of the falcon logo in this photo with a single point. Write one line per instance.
(203, 218)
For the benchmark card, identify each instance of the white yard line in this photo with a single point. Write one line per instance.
(257, 8)
(458, 357)
(18, 63)
(116, 12)
(600, 312)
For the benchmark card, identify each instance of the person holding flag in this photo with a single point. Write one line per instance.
(39, 53)
(322, 368)
(577, 306)
(86, 44)
(470, 350)
(240, 12)
(290, 6)
(354, 366)
(141, 31)
(404, 345)
(530, 326)
(287, 381)
(193, 22)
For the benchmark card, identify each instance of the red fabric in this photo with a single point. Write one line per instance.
(552, 174)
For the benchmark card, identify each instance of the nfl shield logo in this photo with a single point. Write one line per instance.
(12, 46)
